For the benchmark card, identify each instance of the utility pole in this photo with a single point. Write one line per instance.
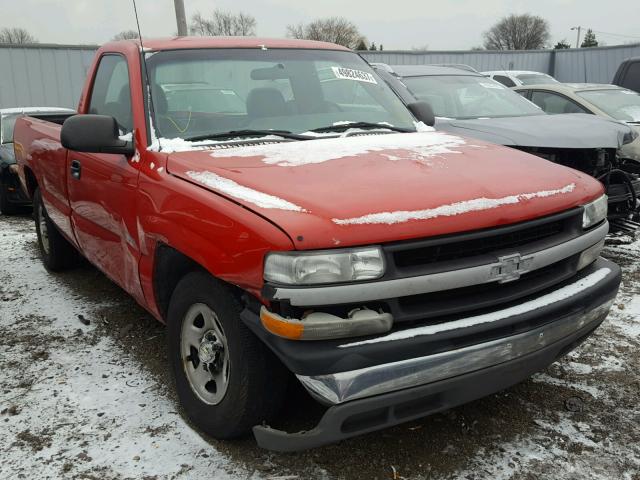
(181, 18)
(578, 28)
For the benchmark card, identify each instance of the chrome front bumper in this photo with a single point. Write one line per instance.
(366, 382)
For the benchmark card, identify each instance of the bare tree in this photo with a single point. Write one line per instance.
(16, 35)
(334, 29)
(518, 32)
(223, 23)
(126, 35)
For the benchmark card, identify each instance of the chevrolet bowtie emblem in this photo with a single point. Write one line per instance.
(510, 267)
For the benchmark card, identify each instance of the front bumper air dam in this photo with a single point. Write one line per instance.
(443, 380)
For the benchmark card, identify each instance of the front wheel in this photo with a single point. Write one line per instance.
(56, 252)
(226, 379)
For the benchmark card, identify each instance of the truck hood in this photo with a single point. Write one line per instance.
(574, 130)
(334, 192)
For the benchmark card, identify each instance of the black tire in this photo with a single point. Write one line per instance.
(57, 253)
(256, 379)
(6, 207)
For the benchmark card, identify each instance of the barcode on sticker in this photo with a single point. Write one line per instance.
(351, 74)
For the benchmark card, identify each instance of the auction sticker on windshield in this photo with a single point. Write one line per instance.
(497, 86)
(351, 74)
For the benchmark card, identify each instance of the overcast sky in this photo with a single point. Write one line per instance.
(397, 24)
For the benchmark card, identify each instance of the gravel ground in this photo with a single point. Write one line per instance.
(84, 393)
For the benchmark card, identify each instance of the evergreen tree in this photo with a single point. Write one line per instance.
(373, 46)
(562, 44)
(589, 40)
(361, 45)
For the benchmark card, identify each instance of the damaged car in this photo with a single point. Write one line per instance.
(470, 104)
(12, 197)
(604, 100)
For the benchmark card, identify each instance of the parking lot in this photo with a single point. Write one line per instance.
(85, 393)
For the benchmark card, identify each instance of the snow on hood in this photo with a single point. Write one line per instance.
(373, 189)
(239, 192)
(171, 145)
(457, 208)
(419, 147)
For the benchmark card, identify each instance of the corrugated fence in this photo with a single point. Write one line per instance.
(596, 65)
(53, 75)
(43, 75)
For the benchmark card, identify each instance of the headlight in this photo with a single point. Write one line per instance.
(595, 212)
(328, 266)
(630, 136)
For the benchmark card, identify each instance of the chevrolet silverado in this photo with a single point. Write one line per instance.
(289, 219)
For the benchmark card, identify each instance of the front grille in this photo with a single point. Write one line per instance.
(459, 251)
(464, 248)
(436, 307)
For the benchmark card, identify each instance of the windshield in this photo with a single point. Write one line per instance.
(6, 124)
(620, 104)
(212, 91)
(459, 96)
(536, 79)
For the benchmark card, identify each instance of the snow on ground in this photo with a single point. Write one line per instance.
(78, 401)
(605, 374)
(73, 403)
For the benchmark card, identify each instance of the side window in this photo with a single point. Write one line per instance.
(631, 78)
(553, 103)
(506, 81)
(111, 93)
(524, 93)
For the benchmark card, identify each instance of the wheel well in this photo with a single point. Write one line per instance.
(169, 267)
(31, 181)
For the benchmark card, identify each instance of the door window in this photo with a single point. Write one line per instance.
(111, 93)
(632, 77)
(506, 81)
(553, 103)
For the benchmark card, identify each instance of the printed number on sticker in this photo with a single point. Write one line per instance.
(351, 74)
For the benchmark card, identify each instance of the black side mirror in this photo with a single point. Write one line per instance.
(94, 134)
(423, 112)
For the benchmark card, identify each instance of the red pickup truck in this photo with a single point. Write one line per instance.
(289, 219)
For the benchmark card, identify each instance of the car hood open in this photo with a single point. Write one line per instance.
(336, 192)
(575, 130)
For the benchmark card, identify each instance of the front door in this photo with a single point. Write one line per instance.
(103, 187)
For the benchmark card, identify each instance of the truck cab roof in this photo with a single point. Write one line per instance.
(185, 43)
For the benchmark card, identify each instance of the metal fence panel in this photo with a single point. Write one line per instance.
(596, 65)
(53, 75)
(43, 75)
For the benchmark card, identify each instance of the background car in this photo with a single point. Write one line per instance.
(514, 78)
(12, 198)
(470, 104)
(628, 74)
(605, 100)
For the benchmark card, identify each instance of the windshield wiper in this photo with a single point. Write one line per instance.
(346, 126)
(248, 133)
